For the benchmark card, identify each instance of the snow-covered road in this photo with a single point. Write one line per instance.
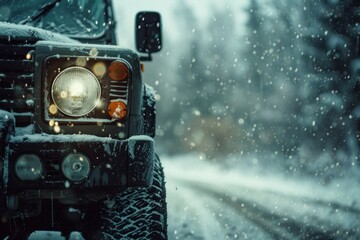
(209, 202)
(206, 202)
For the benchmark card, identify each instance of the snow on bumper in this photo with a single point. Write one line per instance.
(114, 163)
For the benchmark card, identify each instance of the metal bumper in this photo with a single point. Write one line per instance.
(115, 164)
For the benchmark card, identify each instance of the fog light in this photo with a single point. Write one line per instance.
(28, 167)
(76, 167)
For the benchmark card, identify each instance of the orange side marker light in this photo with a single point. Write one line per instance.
(117, 110)
(118, 71)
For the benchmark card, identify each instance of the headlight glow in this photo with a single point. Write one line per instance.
(76, 167)
(28, 167)
(76, 91)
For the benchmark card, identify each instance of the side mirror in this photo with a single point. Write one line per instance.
(148, 32)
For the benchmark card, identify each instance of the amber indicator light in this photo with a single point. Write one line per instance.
(118, 71)
(142, 67)
(117, 110)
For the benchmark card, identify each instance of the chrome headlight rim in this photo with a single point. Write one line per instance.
(25, 166)
(55, 94)
(67, 165)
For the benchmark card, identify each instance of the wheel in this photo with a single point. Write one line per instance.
(137, 213)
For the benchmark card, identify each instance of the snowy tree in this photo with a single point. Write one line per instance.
(273, 72)
(331, 113)
(204, 84)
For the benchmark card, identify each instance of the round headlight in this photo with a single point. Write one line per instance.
(76, 167)
(75, 91)
(28, 167)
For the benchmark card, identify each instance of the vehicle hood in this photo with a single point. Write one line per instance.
(28, 34)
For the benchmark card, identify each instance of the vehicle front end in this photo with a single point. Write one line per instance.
(78, 122)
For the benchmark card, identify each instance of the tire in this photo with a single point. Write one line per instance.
(136, 213)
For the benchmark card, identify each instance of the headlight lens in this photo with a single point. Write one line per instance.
(28, 167)
(76, 91)
(76, 167)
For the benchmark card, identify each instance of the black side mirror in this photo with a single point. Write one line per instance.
(148, 32)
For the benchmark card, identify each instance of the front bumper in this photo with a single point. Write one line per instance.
(115, 164)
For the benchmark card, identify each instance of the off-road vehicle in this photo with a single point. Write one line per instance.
(77, 123)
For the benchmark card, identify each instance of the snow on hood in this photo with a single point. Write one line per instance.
(12, 31)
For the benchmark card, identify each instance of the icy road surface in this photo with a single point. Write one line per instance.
(207, 202)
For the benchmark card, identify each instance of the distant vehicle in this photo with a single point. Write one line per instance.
(77, 123)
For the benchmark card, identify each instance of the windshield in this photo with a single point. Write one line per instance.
(82, 18)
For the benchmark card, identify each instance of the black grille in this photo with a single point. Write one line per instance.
(17, 82)
(52, 164)
(118, 90)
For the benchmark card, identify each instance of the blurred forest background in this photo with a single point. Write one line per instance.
(277, 87)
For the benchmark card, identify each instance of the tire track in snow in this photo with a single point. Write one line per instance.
(328, 204)
(189, 218)
(196, 215)
(276, 225)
